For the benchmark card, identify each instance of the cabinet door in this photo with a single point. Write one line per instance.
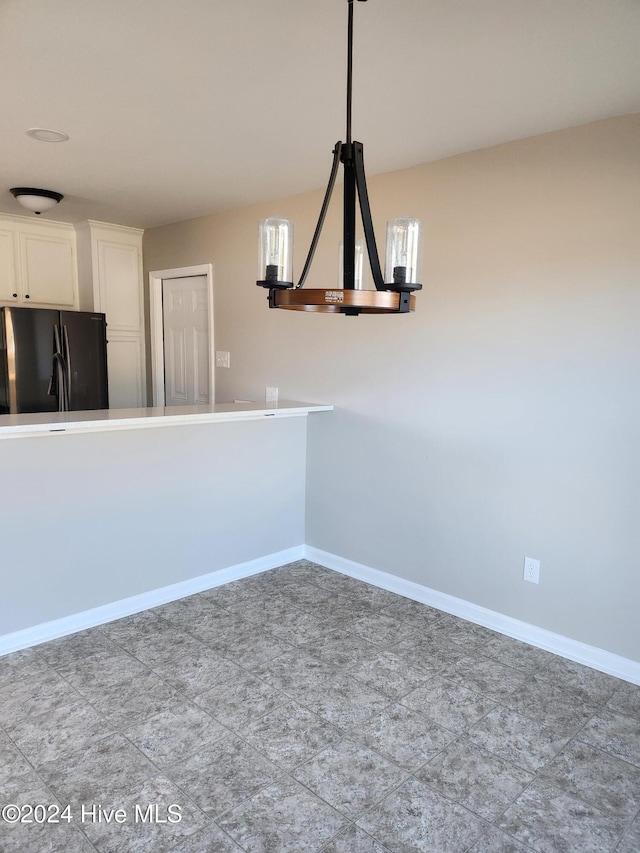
(8, 272)
(48, 271)
(120, 285)
(125, 371)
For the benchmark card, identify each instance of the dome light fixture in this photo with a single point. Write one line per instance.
(44, 134)
(35, 200)
(394, 290)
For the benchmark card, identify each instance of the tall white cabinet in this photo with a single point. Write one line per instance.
(110, 281)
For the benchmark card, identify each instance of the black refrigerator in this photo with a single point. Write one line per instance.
(52, 361)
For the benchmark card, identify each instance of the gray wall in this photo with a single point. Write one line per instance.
(89, 519)
(502, 418)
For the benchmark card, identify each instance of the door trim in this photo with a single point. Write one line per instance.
(157, 337)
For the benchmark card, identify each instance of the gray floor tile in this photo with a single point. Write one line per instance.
(449, 704)
(249, 645)
(388, 673)
(626, 699)
(223, 774)
(416, 614)
(237, 702)
(284, 817)
(631, 839)
(157, 817)
(155, 641)
(75, 647)
(353, 840)
(21, 785)
(403, 736)
(614, 733)
(380, 629)
(198, 672)
(496, 841)
(298, 627)
(23, 664)
(516, 654)
(295, 670)
(214, 627)
(593, 686)
(340, 648)
(102, 668)
(209, 840)
(144, 623)
(99, 773)
(594, 777)
(432, 657)
(560, 709)
(485, 676)
(175, 733)
(549, 820)
(475, 778)
(44, 838)
(10, 757)
(450, 629)
(524, 742)
(262, 609)
(219, 683)
(125, 703)
(306, 596)
(59, 732)
(416, 818)
(343, 701)
(36, 694)
(291, 735)
(349, 777)
(231, 593)
(184, 612)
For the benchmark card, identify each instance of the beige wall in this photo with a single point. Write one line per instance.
(502, 418)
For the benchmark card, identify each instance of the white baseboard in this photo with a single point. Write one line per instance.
(596, 658)
(620, 667)
(154, 598)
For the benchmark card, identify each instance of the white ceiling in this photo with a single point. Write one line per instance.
(178, 108)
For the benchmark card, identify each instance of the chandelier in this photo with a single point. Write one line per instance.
(394, 290)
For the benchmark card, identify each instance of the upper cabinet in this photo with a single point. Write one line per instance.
(37, 263)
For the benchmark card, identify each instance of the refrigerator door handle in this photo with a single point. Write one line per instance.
(59, 380)
(67, 357)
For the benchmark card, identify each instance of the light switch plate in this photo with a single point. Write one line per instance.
(223, 359)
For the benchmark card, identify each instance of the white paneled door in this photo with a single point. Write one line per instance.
(186, 340)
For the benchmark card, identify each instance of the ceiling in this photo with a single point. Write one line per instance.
(179, 108)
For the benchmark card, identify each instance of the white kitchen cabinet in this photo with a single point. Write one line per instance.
(37, 263)
(110, 281)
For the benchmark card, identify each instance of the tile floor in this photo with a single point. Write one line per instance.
(301, 711)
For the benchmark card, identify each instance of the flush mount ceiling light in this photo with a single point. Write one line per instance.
(394, 290)
(35, 200)
(43, 134)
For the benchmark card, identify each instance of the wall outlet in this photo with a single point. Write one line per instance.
(271, 396)
(531, 570)
(223, 359)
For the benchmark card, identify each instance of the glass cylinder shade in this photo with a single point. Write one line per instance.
(275, 260)
(358, 265)
(403, 263)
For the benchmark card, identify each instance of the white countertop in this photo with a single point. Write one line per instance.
(54, 423)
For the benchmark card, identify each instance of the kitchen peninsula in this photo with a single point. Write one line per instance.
(110, 512)
(45, 423)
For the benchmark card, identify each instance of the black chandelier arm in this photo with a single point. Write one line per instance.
(337, 153)
(365, 213)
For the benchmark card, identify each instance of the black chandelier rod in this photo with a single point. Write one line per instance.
(349, 69)
(350, 154)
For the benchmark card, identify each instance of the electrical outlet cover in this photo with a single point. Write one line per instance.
(531, 570)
